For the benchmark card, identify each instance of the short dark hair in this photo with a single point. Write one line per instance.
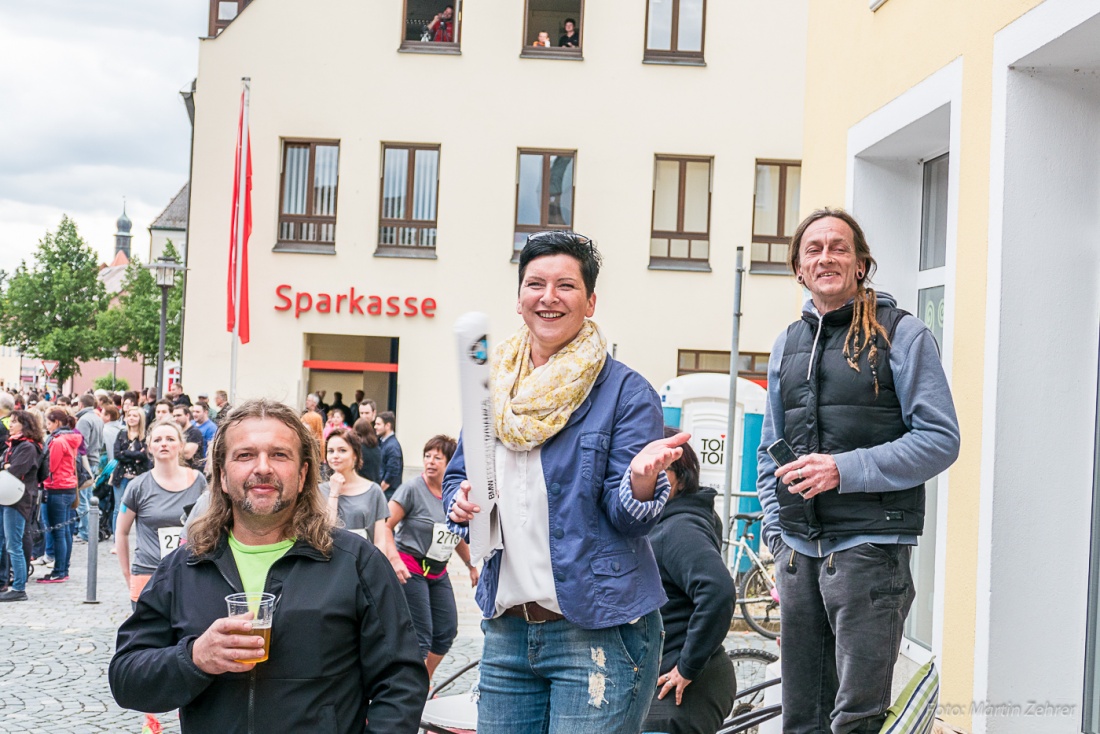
(563, 242)
(164, 401)
(86, 400)
(443, 444)
(387, 416)
(367, 401)
(570, 20)
(686, 468)
(205, 407)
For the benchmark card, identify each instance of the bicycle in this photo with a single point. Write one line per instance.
(757, 595)
(750, 667)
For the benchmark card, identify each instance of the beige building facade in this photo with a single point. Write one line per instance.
(394, 178)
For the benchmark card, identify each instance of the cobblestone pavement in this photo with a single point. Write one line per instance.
(54, 651)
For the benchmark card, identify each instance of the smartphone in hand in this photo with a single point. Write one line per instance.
(782, 453)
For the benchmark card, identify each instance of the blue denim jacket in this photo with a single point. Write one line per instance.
(604, 570)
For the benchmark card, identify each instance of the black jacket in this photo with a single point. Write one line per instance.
(23, 457)
(343, 648)
(132, 456)
(372, 464)
(834, 410)
(699, 587)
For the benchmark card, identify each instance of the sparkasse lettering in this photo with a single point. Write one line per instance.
(286, 298)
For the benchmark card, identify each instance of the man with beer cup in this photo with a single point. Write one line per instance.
(342, 654)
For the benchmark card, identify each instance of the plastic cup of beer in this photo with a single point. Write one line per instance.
(262, 607)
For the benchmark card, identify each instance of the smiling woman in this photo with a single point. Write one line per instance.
(579, 460)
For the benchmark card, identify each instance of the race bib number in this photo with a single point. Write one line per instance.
(443, 543)
(169, 539)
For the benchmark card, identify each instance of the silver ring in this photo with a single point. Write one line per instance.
(799, 473)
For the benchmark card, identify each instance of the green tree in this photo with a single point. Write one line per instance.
(109, 382)
(132, 324)
(49, 309)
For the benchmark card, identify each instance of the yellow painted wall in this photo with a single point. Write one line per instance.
(858, 61)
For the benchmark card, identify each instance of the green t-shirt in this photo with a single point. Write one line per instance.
(254, 561)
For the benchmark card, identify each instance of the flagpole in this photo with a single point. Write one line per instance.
(238, 243)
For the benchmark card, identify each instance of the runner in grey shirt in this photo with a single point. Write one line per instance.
(354, 502)
(360, 511)
(159, 518)
(156, 500)
(422, 511)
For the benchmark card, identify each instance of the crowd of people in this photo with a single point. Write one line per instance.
(607, 601)
(64, 448)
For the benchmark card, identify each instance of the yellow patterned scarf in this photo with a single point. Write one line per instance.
(531, 404)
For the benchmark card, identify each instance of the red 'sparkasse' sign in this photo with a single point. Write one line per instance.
(350, 302)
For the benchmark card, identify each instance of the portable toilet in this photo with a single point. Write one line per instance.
(699, 404)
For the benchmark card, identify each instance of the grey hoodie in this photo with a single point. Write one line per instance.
(929, 448)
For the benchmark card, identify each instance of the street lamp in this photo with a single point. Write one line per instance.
(165, 270)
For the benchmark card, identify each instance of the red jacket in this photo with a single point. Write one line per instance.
(64, 448)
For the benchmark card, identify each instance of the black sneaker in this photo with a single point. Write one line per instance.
(13, 595)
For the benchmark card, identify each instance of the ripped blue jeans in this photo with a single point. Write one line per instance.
(556, 678)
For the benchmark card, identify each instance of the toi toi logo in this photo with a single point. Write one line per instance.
(479, 350)
(712, 451)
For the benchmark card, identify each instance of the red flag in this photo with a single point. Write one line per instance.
(242, 133)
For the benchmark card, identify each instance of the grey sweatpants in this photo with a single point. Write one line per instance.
(843, 617)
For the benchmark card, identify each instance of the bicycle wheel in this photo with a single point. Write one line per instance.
(759, 609)
(749, 665)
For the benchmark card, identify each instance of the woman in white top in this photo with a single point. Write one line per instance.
(157, 502)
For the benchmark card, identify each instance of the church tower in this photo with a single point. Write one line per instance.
(123, 236)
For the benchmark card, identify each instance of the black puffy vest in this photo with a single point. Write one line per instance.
(836, 410)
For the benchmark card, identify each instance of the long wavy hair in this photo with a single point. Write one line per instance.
(865, 330)
(310, 521)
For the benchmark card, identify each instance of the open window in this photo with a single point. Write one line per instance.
(675, 30)
(432, 26)
(553, 29)
(544, 193)
(224, 12)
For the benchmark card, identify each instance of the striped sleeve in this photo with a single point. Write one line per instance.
(643, 511)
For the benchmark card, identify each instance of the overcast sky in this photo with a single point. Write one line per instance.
(91, 112)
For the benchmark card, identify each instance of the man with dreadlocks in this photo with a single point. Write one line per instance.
(857, 389)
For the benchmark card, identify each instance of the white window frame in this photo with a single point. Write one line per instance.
(920, 124)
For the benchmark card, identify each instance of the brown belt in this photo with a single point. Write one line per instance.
(532, 613)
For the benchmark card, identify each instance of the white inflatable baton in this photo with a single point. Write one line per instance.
(478, 438)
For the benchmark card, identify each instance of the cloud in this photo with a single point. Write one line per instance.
(92, 113)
